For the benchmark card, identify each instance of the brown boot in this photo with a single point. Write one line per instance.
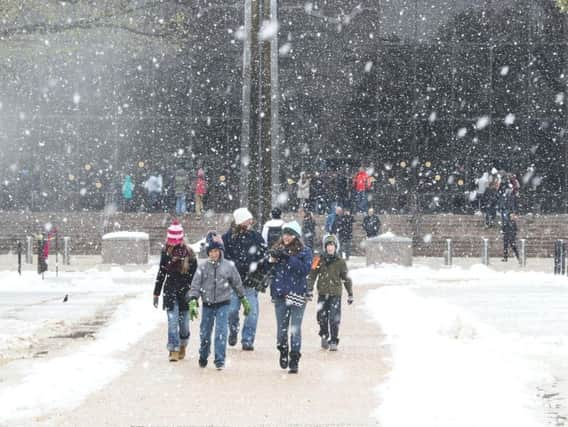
(182, 352)
(174, 356)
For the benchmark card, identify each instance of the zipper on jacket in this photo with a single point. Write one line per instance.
(215, 282)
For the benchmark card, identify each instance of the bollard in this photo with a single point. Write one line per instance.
(66, 250)
(559, 256)
(449, 256)
(19, 258)
(523, 252)
(29, 250)
(485, 252)
(41, 264)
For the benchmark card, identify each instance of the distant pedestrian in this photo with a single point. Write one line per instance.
(509, 229)
(177, 267)
(343, 229)
(289, 262)
(213, 283)
(361, 185)
(371, 223)
(200, 191)
(153, 188)
(127, 193)
(272, 229)
(309, 229)
(304, 191)
(181, 182)
(246, 248)
(330, 273)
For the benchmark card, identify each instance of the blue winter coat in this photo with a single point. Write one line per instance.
(289, 275)
(244, 249)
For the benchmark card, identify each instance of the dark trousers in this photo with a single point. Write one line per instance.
(345, 248)
(329, 316)
(509, 241)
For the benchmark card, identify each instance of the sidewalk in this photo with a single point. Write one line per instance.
(331, 388)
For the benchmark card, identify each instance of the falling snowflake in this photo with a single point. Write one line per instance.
(482, 122)
(510, 119)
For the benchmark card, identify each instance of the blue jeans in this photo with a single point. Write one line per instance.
(362, 202)
(217, 314)
(288, 317)
(250, 322)
(178, 328)
(180, 205)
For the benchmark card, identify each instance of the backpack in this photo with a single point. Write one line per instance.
(273, 235)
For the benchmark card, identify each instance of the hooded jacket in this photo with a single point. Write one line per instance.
(172, 278)
(289, 274)
(244, 249)
(213, 282)
(330, 273)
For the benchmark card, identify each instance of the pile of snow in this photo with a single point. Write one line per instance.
(126, 235)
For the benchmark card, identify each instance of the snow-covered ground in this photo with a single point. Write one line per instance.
(38, 370)
(471, 346)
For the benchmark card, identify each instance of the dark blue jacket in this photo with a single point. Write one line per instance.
(289, 275)
(244, 249)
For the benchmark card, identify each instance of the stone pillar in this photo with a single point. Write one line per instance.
(126, 247)
(389, 248)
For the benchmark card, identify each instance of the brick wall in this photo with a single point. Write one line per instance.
(429, 232)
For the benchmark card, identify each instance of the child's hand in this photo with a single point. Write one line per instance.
(193, 310)
(156, 299)
(350, 299)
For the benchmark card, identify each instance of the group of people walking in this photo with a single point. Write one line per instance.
(241, 263)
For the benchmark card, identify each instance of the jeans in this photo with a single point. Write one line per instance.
(361, 200)
(180, 205)
(288, 317)
(329, 317)
(178, 328)
(250, 322)
(217, 314)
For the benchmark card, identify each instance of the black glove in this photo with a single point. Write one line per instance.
(280, 253)
(350, 299)
(156, 299)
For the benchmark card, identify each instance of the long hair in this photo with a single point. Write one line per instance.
(295, 246)
(181, 256)
(237, 229)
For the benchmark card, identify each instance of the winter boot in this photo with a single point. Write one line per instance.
(324, 343)
(283, 360)
(182, 352)
(333, 346)
(202, 363)
(233, 337)
(294, 362)
(174, 356)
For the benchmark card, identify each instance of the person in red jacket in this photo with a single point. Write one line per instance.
(200, 191)
(361, 184)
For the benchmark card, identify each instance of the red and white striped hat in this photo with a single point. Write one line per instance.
(175, 233)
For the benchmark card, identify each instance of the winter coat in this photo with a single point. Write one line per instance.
(343, 227)
(371, 225)
(361, 181)
(201, 186)
(309, 231)
(303, 188)
(289, 274)
(245, 249)
(213, 282)
(180, 184)
(154, 184)
(330, 273)
(509, 229)
(174, 282)
(127, 188)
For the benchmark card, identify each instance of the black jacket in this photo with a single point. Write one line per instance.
(343, 227)
(175, 283)
(244, 249)
(309, 231)
(372, 225)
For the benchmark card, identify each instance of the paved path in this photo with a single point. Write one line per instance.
(331, 388)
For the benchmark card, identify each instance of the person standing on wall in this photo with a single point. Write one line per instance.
(200, 191)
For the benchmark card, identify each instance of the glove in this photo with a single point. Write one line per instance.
(350, 299)
(156, 300)
(309, 296)
(193, 309)
(246, 306)
(280, 254)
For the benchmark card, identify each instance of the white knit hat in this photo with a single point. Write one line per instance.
(241, 215)
(175, 233)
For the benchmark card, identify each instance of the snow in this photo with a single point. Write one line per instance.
(126, 235)
(470, 347)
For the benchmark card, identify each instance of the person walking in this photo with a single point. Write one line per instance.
(361, 184)
(272, 229)
(303, 193)
(289, 261)
(330, 273)
(246, 248)
(180, 191)
(371, 224)
(177, 268)
(212, 283)
(200, 191)
(509, 229)
(309, 229)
